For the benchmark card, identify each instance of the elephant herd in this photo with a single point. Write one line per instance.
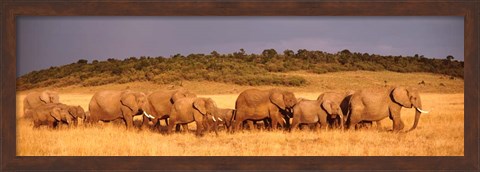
(273, 107)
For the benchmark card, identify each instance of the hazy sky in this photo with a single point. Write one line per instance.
(51, 41)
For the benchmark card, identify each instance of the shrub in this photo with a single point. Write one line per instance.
(238, 68)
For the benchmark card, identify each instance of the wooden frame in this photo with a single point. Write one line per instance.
(10, 10)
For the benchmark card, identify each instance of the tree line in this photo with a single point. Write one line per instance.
(237, 68)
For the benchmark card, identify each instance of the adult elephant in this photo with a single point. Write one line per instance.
(35, 99)
(160, 103)
(111, 105)
(254, 104)
(377, 104)
(198, 110)
(340, 98)
(316, 112)
(51, 115)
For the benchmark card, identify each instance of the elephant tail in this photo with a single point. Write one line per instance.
(234, 114)
(346, 119)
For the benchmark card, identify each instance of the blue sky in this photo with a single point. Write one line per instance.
(44, 41)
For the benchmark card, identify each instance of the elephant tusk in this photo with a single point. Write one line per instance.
(284, 121)
(422, 111)
(214, 119)
(220, 119)
(147, 115)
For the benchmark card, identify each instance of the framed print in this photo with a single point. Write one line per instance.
(206, 85)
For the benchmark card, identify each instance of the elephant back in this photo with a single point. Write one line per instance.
(252, 98)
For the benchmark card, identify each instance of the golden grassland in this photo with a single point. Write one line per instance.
(440, 133)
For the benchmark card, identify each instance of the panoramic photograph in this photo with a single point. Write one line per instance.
(239, 86)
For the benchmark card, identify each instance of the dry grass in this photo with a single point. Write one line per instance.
(440, 133)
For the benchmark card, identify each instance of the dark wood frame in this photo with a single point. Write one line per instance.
(9, 10)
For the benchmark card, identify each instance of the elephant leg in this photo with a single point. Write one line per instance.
(237, 121)
(172, 123)
(315, 126)
(379, 125)
(51, 124)
(75, 122)
(323, 122)
(181, 128)
(294, 125)
(200, 128)
(36, 124)
(267, 123)
(397, 121)
(277, 118)
(184, 128)
(252, 125)
(145, 121)
(354, 119)
(274, 124)
(128, 121)
(156, 125)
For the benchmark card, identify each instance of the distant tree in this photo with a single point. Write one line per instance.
(242, 51)
(82, 61)
(214, 53)
(270, 53)
(178, 55)
(240, 54)
(302, 54)
(94, 61)
(346, 51)
(288, 52)
(450, 57)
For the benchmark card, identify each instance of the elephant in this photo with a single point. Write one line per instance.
(198, 110)
(35, 99)
(159, 104)
(342, 99)
(377, 104)
(224, 117)
(75, 111)
(52, 115)
(110, 105)
(254, 104)
(316, 112)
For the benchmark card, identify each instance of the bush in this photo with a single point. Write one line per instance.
(238, 68)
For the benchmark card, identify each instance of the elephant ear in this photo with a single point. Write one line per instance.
(320, 97)
(80, 112)
(53, 96)
(56, 113)
(327, 105)
(44, 97)
(400, 95)
(129, 100)
(199, 104)
(72, 110)
(277, 99)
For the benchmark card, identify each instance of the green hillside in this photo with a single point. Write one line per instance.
(237, 68)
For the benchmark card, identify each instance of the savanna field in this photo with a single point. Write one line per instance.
(439, 133)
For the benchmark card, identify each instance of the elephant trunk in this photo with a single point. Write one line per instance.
(342, 121)
(417, 116)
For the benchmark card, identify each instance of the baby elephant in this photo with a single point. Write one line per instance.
(57, 113)
(223, 118)
(315, 112)
(198, 110)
